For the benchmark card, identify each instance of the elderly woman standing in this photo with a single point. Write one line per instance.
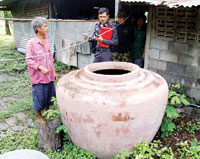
(40, 66)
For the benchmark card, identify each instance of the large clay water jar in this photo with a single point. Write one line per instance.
(111, 106)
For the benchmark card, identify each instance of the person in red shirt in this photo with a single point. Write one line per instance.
(40, 66)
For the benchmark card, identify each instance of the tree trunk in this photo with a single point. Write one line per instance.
(7, 27)
(47, 136)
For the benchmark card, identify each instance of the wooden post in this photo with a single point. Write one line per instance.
(116, 8)
(148, 38)
(47, 136)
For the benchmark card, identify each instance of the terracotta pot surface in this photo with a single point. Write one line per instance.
(107, 114)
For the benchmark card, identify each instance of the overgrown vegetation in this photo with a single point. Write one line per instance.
(155, 150)
(14, 80)
(148, 151)
(176, 96)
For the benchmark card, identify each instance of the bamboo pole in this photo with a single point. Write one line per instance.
(50, 20)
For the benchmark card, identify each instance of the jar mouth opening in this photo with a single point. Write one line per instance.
(111, 70)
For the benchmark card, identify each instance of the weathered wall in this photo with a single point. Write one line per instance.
(176, 62)
(22, 29)
(18, 9)
(72, 31)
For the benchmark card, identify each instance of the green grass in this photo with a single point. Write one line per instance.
(6, 42)
(21, 105)
(27, 139)
(15, 84)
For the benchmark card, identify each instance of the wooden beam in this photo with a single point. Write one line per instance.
(5, 9)
(50, 20)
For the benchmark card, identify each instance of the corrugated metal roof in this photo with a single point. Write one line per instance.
(170, 3)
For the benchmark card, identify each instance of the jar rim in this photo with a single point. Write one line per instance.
(90, 69)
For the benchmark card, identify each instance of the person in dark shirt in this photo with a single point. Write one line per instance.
(103, 48)
(138, 46)
(121, 52)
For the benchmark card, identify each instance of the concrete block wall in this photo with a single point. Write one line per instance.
(73, 31)
(177, 63)
(22, 29)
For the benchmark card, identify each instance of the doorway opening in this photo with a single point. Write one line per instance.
(138, 20)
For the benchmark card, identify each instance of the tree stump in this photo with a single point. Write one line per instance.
(47, 136)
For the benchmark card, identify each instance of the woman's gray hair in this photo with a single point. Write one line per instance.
(38, 22)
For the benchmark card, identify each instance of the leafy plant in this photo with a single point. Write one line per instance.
(148, 151)
(176, 96)
(168, 125)
(192, 127)
(62, 128)
(189, 149)
(51, 113)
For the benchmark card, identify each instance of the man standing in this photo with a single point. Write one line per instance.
(121, 52)
(40, 66)
(105, 35)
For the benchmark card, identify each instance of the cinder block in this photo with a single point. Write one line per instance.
(167, 56)
(185, 59)
(169, 77)
(156, 64)
(194, 51)
(187, 80)
(178, 48)
(182, 82)
(193, 71)
(199, 61)
(195, 93)
(193, 85)
(153, 69)
(159, 44)
(176, 68)
(195, 62)
(154, 54)
(177, 78)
